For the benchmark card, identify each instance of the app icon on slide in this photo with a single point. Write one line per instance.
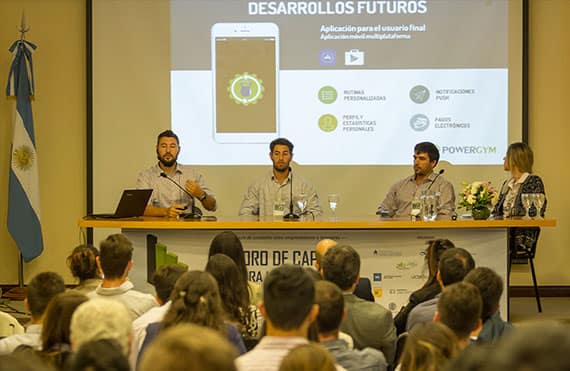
(327, 57)
(354, 57)
(419, 94)
(327, 94)
(245, 88)
(419, 122)
(328, 123)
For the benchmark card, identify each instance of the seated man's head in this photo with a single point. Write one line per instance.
(341, 265)
(490, 285)
(454, 264)
(331, 309)
(41, 289)
(101, 319)
(320, 250)
(288, 299)
(115, 259)
(459, 308)
(426, 157)
(164, 279)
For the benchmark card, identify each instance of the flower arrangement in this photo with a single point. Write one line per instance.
(478, 195)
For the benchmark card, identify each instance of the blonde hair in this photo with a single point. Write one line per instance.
(520, 156)
(428, 347)
(308, 357)
(189, 347)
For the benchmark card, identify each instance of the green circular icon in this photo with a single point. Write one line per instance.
(328, 123)
(327, 94)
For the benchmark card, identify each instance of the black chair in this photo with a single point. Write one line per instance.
(521, 254)
(400, 342)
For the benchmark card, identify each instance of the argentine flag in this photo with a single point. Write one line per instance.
(24, 193)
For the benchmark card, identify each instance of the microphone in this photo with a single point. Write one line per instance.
(195, 212)
(434, 179)
(291, 216)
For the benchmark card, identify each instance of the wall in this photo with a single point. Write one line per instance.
(549, 134)
(58, 29)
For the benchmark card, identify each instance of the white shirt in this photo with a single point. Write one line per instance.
(139, 329)
(136, 302)
(31, 337)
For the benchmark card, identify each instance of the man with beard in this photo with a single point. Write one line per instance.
(167, 199)
(271, 194)
(398, 201)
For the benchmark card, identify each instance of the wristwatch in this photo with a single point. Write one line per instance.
(203, 197)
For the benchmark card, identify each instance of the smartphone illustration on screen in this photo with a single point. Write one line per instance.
(245, 76)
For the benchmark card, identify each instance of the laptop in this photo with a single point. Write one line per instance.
(132, 204)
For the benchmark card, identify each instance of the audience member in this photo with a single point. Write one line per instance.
(163, 281)
(429, 346)
(83, 266)
(369, 324)
(459, 308)
(56, 344)
(288, 308)
(490, 285)
(471, 358)
(363, 289)
(188, 347)
(454, 264)
(331, 312)
(228, 243)
(115, 261)
(101, 319)
(539, 347)
(99, 355)
(430, 288)
(308, 357)
(195, 299)
(234, 295)
(22, 362)
(41, 289)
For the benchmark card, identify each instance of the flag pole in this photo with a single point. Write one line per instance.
(19, 292)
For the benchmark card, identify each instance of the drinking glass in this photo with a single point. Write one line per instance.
(416, 208)
(526, 199)
(301, 202)
(333, 203)
(538, 199)
(429, 207)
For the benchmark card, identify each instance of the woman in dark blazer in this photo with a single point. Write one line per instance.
(519, 161)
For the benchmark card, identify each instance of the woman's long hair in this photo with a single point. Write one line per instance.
(233, 289)
(196, 299)
(57, 319)
(228, 243)
(429, 347)
(433, 253)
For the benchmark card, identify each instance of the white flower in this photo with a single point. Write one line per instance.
(475, 186)
(471, 199)
(495, 198)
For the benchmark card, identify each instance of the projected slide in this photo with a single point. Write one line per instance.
(348, 82)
